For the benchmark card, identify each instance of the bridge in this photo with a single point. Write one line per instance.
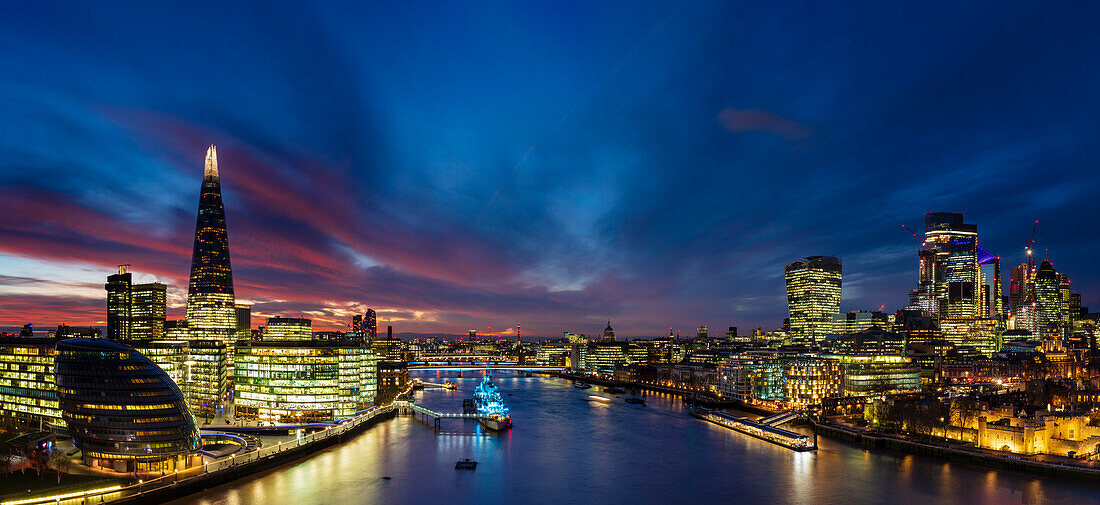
(472, 366)
(408, 408)
(782, 417)
(468, 357)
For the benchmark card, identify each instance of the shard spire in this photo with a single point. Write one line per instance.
(211, 162)
(210, 301)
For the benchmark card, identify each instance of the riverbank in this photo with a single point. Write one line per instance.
(222, 471)
(406, 461)
(691, 396)
(1041, 465)
(258, 461)
(957, 453)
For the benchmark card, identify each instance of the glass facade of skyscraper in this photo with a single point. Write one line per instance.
(293, 382)
(28, 395)
(122, 410)
(288, 329)
(211, 308)
(813, 296)
(134, 311)
(951, 248)
(879, 375)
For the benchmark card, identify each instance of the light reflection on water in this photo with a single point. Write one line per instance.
(566, 449)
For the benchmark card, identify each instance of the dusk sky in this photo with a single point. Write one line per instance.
(455, 165)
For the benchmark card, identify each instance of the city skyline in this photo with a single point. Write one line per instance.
(343, 194)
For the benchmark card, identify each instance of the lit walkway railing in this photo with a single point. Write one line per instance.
(180, 477)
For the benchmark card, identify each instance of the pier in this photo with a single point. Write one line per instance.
(434, 384)
(765, 429)
(408, 408)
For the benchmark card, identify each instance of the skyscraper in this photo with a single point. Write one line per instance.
(365, 327)
(1049, 295)
(134, 311)
(813, 296)
(148, 310)
(244, 320)
(211, 308)
(954, 273)
(119, 299)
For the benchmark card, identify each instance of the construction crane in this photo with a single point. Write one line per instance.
(914, 234)
(1029, 246)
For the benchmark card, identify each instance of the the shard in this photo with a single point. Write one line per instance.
(211, 310)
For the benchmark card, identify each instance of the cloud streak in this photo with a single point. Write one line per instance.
(756, 120)
(365, 167)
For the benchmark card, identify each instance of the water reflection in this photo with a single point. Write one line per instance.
(566, 449)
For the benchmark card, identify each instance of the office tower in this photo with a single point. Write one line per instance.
(303, 381)
(119, 301)
(924, 297)
(813, 296)
(998, 298)
(954, 274)
(1048, 294)
(134, 311)
(1074, 307)
(288, 329)
(211, 308)
(1064, 316)
(370, 324)
(1018, 286)
(29, 398)
(703, 333)
(148, 311)
(365, 327)
(1023, 301)
(860, 320)
(244, 320)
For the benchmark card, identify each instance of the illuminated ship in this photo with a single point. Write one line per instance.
(490, 406)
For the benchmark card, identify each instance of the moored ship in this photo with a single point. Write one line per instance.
(493, 412)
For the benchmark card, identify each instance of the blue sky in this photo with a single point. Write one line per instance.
(456, 165)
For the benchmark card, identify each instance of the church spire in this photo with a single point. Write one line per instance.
(211, 162)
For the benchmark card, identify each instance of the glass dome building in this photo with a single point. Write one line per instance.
(122, 410)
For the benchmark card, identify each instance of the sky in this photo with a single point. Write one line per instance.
(457, 165)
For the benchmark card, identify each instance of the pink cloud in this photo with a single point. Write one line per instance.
(749, 120)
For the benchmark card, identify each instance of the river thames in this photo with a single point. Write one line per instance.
(567, 449)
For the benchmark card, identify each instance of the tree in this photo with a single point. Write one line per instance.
(59, 462)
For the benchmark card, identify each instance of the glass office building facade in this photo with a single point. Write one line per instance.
(28, 395)
(305, 381)
(879, 375)
(288, 329)
(122, 410)
(813, 296)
